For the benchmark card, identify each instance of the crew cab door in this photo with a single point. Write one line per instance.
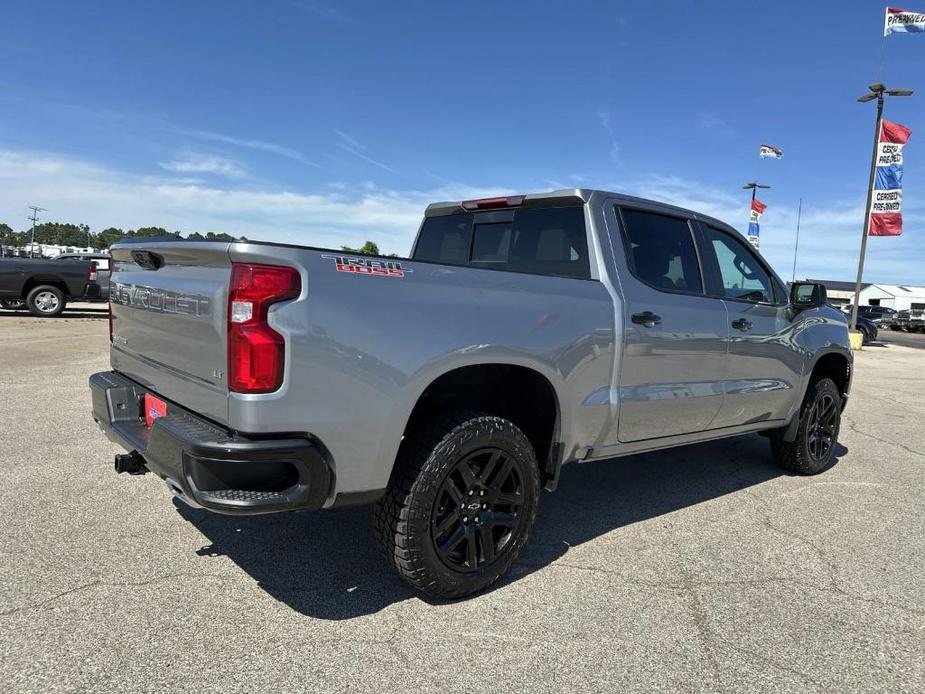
(763, 367)
(674, 346)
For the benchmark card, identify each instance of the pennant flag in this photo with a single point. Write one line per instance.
(758, 208)
(886, 205)
(768, 151)
(898, 20)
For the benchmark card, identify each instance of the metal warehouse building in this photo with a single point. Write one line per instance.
(897, 296)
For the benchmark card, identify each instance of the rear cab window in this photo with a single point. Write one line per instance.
(549, 241)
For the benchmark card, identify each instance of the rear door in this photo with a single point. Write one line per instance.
(675, 335)
(169, 321)
(763, 365)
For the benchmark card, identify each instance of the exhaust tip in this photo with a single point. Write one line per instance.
(130, 463)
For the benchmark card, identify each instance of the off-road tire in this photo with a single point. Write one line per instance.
(38, 305)
(406, 516)
(796, 456)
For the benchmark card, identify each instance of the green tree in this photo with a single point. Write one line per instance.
(368, 248)
(153, 231)
(62, 233)
(109, 236)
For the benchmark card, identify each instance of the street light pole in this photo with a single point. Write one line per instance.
(876, 92)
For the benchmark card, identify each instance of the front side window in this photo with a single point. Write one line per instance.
(661, 251)
(743, 278)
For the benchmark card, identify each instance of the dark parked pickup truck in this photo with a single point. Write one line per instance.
(44, 287)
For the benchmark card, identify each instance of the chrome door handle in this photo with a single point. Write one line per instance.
(647, 319)
(742, 324)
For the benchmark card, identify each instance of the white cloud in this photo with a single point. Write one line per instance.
(78, 191)
(259, 145)
(204, 163)
(711, 122)
(348, 144)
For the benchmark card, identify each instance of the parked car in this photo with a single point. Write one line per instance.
(523, 333)
(43, 286)
(868, 328)
(879, 315)
(103, 269)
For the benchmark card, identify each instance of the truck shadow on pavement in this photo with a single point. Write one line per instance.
(325, 564)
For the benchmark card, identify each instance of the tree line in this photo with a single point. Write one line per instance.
(80, 235)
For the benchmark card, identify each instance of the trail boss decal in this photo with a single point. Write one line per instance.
(368, 266)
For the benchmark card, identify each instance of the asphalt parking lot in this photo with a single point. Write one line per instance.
(900, 337)
(698, 569)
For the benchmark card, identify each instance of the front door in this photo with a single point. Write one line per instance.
(670, 378)
(763, 367)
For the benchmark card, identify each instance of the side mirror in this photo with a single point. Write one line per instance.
(807, 295)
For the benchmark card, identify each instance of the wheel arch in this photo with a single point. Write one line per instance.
(40, 280)
(520, 393)
(834, 363)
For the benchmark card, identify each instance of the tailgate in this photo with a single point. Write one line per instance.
(169, 320)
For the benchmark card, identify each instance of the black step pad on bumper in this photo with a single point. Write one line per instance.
(205, 464)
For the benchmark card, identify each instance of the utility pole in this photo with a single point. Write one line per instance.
(34, 218)
(876, 92)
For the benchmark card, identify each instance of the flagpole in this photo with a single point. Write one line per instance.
(882, 56)
(877, 92)
(796, 246)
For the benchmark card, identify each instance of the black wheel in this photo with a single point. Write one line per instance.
(865, 336)
(12, 304)
(45, 300)
(460, 504)
(813, 450)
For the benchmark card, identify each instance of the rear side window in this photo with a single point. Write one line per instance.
(445, 240)
(538, 240)
(661, 251)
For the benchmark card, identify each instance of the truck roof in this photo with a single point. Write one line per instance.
(568, 197)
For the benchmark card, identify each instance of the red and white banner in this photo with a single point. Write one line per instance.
(886, 203)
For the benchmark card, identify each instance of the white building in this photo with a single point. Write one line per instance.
(50, 250)
(897, 296)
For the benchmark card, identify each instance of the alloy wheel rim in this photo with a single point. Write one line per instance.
(823, 427)
(46, 302)
(477, 510)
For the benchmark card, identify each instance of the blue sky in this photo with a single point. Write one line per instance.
(325, 123)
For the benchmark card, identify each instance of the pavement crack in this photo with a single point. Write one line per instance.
(105, 584)
(853, 428)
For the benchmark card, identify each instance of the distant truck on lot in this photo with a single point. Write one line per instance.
(524, 332)
(102, 262)
(44, 287)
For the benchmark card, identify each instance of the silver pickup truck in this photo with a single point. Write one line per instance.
(448, 388)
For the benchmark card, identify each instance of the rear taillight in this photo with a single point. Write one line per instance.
(256, 352)
(493, 203)
(91, 273)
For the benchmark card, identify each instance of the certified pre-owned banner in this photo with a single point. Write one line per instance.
(753, 219)
(886, 206)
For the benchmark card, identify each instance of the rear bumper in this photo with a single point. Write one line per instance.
(208, 466)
